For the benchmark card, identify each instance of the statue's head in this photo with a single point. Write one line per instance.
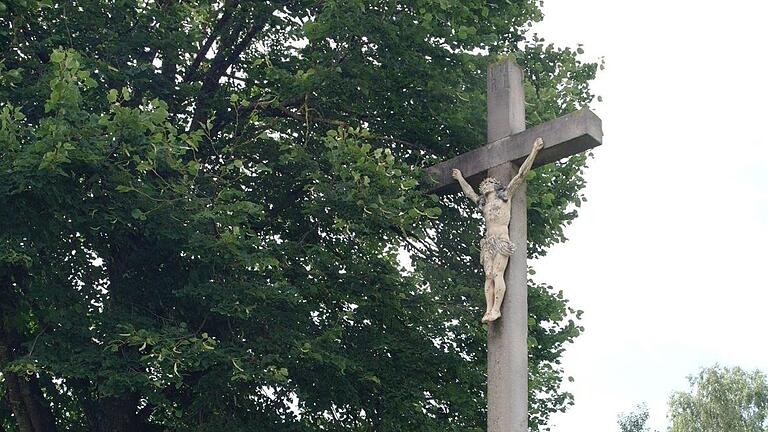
(489, 185)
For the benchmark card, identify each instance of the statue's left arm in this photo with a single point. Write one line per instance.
(525, 167)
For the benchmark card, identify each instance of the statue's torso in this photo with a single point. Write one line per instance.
(496, 213)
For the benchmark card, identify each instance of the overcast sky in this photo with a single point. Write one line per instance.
(668, 257)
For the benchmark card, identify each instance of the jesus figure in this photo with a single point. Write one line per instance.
(495, 248)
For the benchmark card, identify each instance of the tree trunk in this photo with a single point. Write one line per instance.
(116, 414)
(39, 412)
(23, 394)
(16, 403)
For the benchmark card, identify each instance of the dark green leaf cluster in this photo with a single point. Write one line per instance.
(205, 207)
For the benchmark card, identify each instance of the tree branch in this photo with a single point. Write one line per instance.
(218, 67)
(226, 17)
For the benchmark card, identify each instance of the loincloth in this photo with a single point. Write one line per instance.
(496, 245)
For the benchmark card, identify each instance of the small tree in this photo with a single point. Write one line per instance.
(721, 399)
(634, 421)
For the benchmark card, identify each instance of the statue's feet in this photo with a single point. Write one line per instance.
(494, 315)
(486, 317)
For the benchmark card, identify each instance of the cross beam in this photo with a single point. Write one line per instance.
(565, 136)
(509, 144)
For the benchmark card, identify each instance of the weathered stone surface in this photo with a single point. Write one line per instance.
(508, 336)
(565, 136)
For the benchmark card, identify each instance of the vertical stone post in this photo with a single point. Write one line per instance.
(508, 336)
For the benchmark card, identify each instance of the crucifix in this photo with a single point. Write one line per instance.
(503, 162)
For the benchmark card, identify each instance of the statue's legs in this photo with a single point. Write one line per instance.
(500, 287)
(489, 296)
(486, 257)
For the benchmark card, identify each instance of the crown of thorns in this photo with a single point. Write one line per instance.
(490, 181)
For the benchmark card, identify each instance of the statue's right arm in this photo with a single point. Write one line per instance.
(468, 191)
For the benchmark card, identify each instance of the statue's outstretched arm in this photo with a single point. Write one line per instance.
(468, 191)
(525, 167)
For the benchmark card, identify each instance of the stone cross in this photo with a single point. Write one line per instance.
(509, 143)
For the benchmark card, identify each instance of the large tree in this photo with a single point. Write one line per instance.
(721, 399)
(205, 206)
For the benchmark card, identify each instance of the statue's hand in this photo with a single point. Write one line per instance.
(456, 174)
(538, 144)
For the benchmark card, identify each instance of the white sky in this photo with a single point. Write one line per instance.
(667, 258)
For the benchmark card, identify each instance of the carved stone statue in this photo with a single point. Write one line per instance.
(495, 247)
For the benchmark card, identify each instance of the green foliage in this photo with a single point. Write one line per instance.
(721, 399)
(203, 207)
(635, 421)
